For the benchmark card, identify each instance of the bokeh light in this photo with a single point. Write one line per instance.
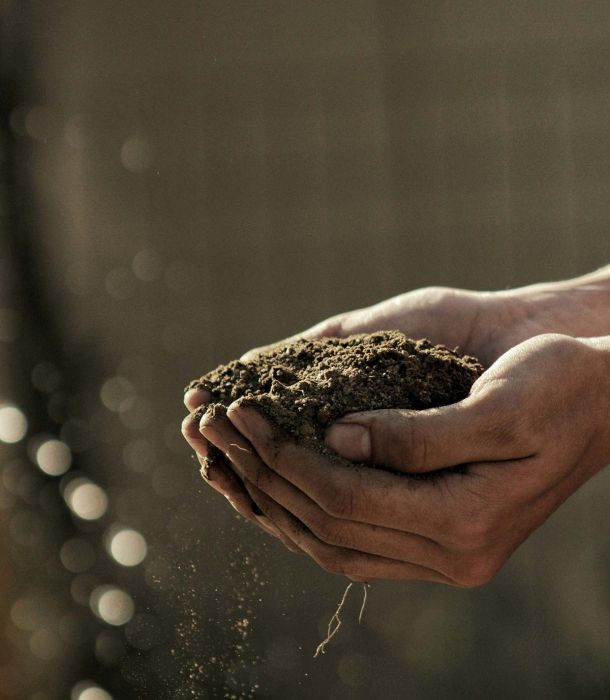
(139, 455)
(46, 377)
(110, 648)
(27, 613)
(81, 588)
(45, 644)
(13, 424)
(39, 123)
(77, 555)
(85, 499)
(128, 547)
(54, 457)
(118, 394)
(120, 283)
(73, 132)
(136, 154)
(112, 605)
(146, 265)
(87, 690)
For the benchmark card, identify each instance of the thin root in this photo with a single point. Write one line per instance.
(336, 619)
(365, 595)
(239, 447)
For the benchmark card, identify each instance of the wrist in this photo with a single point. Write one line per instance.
(578, 307)
(600, 364)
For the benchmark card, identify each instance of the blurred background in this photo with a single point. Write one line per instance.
(180, 181)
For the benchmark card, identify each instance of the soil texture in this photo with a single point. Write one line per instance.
(304, 386)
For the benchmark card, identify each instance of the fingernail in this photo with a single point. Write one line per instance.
(350, 440)
(190, 431)
(194, 398)
(215, 439)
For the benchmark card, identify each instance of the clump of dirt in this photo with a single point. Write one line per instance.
(306, 385)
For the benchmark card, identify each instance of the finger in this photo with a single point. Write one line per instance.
(473, 430)
(190, 432)
(349, 492)
(220, 432)
(217, 474)
(338, 560)
(373, 539)
(193, 398)
(286, 541)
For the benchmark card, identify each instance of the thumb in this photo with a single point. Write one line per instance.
(422, 441)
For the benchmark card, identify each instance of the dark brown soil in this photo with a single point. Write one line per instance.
(304, 386)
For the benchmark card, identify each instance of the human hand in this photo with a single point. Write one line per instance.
(217, 473)
(535, 427)
(449, 316)
(484, 324)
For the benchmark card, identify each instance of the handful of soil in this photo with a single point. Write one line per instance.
(304, 386)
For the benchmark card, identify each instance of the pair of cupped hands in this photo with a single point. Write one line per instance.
(532, 430)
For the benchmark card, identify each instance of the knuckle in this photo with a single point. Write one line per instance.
(473, 531)
(276, 452)
(410, 444)
(329, 559)
(329, 531)
(261, 477)
(338, 502)
(477, 571)
(416, 449)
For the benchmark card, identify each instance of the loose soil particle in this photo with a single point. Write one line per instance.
(304, 386)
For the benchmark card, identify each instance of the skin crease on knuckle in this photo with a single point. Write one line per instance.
(329, 531)
(338, 501)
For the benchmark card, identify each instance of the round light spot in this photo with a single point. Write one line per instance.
(95, 693)
(128, 547)
(139, 455)
(118, 394)
(45, 644)
(39, 123)
(73, 132)
(77, 555)
(13, 424)
(112, 604)
(120, 283)
(82, 587)
(27, 613)
(87, 690)
(136, 154)
(54, 457)
(146, 265)
(109, 648)
(139, 415)
(86, 499)
(46, 377)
